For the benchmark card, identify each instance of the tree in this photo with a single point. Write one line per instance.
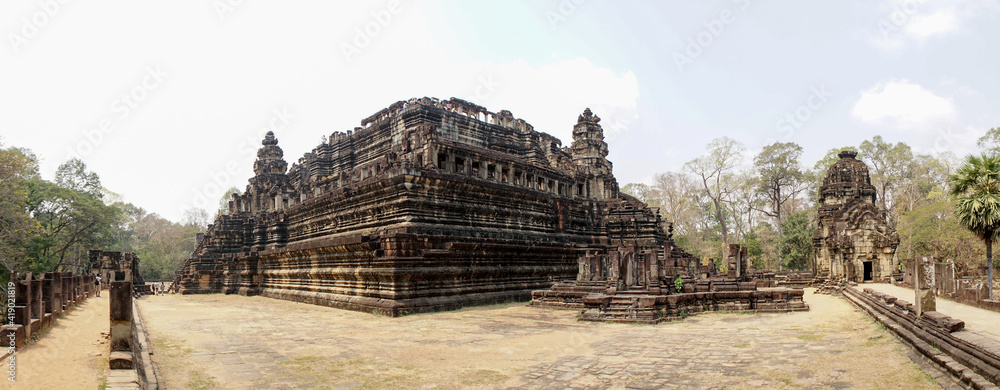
(17, 168)
(722, 155)
(744, 202)
(197, 217)
(69, 223)
(761, 249)
(990, 143)
(933, 229)
(889, 164)
(796, 241)
(641, 191)
(73, 175)
(777, 167)
(976, 184)
(224, 201)
(677, 193)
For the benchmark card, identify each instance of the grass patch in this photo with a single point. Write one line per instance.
(875, 340)
(482, 377)
(359, 373)
(736, 312)
(171, 348)
(200, 381)
(810, 337)
(102, 365)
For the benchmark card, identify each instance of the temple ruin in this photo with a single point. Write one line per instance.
(430, 205)
(852, 240)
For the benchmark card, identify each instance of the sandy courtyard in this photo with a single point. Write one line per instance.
(220, 341)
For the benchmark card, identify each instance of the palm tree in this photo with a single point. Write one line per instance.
(976, 186)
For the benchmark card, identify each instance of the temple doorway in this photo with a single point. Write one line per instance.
(868, 271)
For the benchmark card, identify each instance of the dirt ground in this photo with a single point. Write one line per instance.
(72, 354)
(220, 341)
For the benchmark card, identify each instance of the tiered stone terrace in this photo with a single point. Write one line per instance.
(431, 205)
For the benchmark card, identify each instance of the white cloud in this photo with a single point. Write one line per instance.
(903, 105)
(913, 22)
(940, 22)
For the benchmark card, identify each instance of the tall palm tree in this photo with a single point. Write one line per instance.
(976, 186)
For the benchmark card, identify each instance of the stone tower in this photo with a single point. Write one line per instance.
(590, 153)
(852, 240)
(269, 174)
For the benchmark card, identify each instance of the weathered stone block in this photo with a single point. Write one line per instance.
(121, 360)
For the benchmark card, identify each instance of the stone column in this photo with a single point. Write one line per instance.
(924, 285)
(37, 308)
(121, 324)
(22, 304)
(76, 289)
(50, 293)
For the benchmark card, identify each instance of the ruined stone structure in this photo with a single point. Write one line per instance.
(118, 266)
(852, 240)
(638, 283)
(430, 205)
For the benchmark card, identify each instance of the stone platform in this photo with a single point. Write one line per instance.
(226, 341)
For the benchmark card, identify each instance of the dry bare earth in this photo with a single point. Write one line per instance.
(219, 341)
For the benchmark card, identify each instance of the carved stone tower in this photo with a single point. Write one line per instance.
(590, 152)
(852, 239)
(269, 176)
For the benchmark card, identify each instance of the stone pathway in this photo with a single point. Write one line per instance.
(72, 354)
(219, 341)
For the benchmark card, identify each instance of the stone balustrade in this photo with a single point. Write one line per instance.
(34, 303)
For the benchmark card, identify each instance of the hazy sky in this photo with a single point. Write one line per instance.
(168, 101)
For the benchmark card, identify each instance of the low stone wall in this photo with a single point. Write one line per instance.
(37, 302)
(931, 335)
(568, 295)
(658, 308)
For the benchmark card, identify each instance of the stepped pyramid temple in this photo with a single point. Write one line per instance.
(439, 204)
(852, 240)
(430, 205)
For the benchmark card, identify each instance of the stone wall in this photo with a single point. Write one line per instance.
(970, 289)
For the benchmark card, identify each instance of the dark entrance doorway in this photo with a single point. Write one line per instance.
(868, 271)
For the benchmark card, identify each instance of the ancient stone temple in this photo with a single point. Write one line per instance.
(429, 205)
(852, 240)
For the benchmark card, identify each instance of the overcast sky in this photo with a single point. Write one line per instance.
(168, 101)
